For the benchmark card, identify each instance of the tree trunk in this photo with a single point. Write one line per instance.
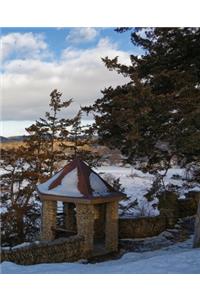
(20, 225)
(196, 242)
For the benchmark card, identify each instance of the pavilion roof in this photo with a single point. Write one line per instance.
(77, 180)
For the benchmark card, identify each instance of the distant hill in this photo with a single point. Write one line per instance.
(20, 138)
(10, 139)
(3, 139)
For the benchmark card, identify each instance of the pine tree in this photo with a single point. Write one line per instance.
(48, 136)
(19, 213)
(27, 165)
(156, 115)
(82, 141)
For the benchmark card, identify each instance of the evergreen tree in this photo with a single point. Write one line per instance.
(19, 212)
(82, 142)
(156, 116)
(48, 136)
(27, 165)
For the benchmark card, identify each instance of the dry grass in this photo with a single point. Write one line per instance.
(9, 145)
(16, 144)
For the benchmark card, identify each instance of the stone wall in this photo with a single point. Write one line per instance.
(181, 208)
(142, 227)
(188, 207)
(170, 210)
(60, 250)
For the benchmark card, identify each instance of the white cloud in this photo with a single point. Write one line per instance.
(142, 33)
(79, 74)
(23, 45)
(81, 35)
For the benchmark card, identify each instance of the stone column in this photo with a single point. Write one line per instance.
(196, 241)
(69, 216)
(99, 223)
(111, 230)
(49, 211)
(85, 225)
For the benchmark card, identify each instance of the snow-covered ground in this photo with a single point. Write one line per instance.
(177, 259)
(137, 184)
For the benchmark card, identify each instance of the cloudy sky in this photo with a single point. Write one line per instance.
(34, 61)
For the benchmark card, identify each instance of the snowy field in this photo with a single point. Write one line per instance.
(137, 184)
(176, 259)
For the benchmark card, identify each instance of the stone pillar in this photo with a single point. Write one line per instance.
(49, 211)
(196, 241)
(99, 223)
(111, 231)
(69, 216)
(85, 225)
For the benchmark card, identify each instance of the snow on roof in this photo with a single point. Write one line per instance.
(78, 180)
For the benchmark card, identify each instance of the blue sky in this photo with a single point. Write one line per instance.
(57, 37)
(37, 60)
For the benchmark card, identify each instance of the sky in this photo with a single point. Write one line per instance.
(34, 61)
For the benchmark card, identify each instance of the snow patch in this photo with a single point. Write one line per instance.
(21, 245)
(98, 186)
(68, 186)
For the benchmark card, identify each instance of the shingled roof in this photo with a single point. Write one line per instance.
(77, 180)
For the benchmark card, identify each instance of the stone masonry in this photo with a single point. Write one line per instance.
(89, 212)
(99, 222)
(49, 211)
(85, 225)
(111, 231)
(69, 216)
(57, 251)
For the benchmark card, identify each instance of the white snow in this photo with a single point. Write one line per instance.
(68, 186)
(174, 111)
(21, 245)
(137, 184)
(97, 185)
(177, 259)
(3, 210)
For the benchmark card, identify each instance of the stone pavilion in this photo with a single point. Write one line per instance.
(88, 199)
